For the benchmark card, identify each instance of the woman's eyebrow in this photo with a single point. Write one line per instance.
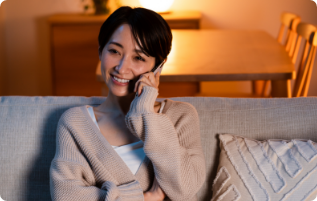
(140, 51)
(117, 44)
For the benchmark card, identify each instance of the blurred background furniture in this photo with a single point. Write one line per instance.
(223, 55)
(74, 49)
(307, 33)
(28, 134)
(287, 32)
(287, 37)
(302, 57)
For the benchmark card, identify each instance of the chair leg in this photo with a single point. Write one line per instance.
(257, 87)
(265, 89)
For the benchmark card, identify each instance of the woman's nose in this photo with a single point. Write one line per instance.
(123, 66)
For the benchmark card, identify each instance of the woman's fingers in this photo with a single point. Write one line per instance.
(149, 196)
(146, 79)
(141, 78)
(138, 86)
(157, 79)
(155, 193)
(153, 78)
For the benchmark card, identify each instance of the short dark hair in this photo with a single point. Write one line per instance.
(149, 29)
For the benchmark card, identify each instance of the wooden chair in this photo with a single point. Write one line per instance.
(289, 22)
(287, 37)
(308, 33)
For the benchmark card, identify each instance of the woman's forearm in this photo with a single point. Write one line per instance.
(67, 183)
(172, 144)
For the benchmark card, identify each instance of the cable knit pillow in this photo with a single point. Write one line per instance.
(272, 170)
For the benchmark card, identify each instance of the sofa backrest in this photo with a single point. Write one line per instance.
(28, 130)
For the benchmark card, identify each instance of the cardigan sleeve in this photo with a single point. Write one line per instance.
(174, 148)
(71, 177)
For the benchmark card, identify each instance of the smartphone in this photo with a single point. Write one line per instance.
(156, 69)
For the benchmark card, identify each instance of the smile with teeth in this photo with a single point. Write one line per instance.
(120, 80)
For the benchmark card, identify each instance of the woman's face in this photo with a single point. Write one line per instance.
(122, 58)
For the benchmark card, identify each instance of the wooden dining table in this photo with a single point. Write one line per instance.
(227, 55)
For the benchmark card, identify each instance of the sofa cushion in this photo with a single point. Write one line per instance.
(266, 170)
(260, 119)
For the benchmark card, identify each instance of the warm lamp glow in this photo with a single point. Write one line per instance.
(157, 5)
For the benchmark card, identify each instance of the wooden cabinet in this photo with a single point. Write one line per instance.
(74, 49)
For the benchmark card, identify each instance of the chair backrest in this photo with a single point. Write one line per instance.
(289, 22)
(308, 32)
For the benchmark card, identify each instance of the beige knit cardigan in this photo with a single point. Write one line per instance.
(87, 168)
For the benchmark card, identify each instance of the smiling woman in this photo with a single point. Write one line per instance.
(130, 147)
(123, 60)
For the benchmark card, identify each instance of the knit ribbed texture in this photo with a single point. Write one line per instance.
(86, 167)
(145, 102)
(130, 191)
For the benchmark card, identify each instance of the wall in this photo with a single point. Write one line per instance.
(27, 37)
(27, 44)
(2, 53)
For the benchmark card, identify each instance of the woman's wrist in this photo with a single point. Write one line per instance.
(145, 102)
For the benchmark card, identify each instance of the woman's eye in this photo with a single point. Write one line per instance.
(113, 51)
(139, 58)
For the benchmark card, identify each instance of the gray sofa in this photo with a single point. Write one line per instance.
(28, 127)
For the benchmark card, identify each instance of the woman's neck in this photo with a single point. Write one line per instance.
(116, 105)
(119, 106)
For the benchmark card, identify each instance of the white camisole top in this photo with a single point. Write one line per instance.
(132, 154)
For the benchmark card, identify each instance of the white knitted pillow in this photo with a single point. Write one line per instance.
(269, 170)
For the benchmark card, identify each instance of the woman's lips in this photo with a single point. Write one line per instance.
(118, 83)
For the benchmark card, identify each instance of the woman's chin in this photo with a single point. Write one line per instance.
(122, 93)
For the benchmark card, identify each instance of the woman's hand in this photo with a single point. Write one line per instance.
(148, 79)
(155, 193)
